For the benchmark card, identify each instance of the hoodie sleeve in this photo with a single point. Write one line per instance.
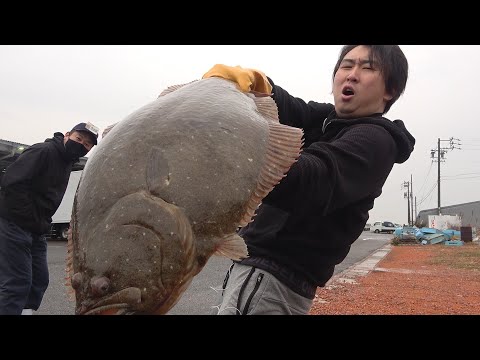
(295, 112)
(17, 180)
(330, 176)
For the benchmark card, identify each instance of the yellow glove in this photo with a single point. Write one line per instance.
(248, 80)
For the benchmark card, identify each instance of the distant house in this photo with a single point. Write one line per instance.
(469, 212)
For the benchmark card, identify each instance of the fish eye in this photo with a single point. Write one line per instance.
(77, 280)
(100, 286)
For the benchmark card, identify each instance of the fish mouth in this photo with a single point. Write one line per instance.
(122, 302)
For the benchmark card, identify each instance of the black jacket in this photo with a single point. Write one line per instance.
(306, 225)
(33, 186)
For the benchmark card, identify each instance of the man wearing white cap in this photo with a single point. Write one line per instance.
(31, 191)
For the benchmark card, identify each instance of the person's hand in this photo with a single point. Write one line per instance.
(248, 80)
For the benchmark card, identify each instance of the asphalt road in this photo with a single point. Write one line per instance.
(201, 297)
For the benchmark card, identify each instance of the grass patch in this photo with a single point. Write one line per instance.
(465, 257)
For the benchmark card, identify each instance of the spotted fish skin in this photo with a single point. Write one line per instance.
(168, 188)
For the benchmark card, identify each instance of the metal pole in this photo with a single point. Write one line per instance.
(438, 181)
(411, 197)
(408, 202)
(415, 209)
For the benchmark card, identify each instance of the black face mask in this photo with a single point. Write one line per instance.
(74, 149)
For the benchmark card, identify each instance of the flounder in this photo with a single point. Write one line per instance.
(168, 188)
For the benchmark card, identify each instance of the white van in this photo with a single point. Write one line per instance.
(61, 218)
(383, 226)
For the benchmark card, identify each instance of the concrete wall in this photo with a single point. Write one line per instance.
(469, 212)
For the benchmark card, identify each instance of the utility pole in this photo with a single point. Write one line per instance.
(415, 209)
(438, 181)
(406, 184)
(440, 158)
(411, 198)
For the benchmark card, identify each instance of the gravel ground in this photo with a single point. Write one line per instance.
(410, 280)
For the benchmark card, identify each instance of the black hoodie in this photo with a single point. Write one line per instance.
(307, 224)
(33, 185)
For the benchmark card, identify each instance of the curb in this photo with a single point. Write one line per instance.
(361, 268)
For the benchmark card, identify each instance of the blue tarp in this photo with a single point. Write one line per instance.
(427, 235)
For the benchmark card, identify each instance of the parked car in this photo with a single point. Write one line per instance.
(383, 227)
(367, 227)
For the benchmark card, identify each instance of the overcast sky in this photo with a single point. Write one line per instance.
(44, 89)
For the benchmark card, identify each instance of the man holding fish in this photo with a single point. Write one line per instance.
(307, 223)
(307, 173)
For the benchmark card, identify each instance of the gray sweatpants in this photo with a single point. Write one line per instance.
(253, 291)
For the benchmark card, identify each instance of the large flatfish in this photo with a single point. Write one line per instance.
(169, 187)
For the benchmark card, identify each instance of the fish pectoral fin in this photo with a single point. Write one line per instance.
(233, 247)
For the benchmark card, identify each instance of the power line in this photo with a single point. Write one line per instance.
(429, 192)
(463, 178)
(458, 175)
(426, 178)
(474, 173)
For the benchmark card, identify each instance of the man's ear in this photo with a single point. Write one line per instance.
(387, 97)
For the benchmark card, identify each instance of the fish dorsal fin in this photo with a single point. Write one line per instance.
(266, 107)
(283, 149)
(233, 247)
(107, 129)
(174, 88)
